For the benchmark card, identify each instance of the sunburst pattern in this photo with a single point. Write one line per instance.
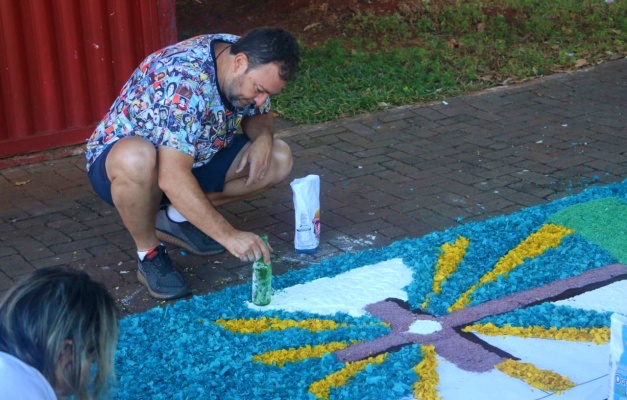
(275, 324)
(282, 356)
(451, 256)
(536, 377)
(548, 236)
(490, 279)
(589, 335)
(359, 355)
(321, 389)
(428, 379)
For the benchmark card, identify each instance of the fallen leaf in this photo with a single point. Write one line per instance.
(20, 183)
(308, 27)
(581, 62)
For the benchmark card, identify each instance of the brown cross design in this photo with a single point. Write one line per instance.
(465, 350)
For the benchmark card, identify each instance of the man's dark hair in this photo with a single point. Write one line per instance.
(270, 45)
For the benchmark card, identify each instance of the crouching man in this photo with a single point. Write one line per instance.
(168, 153)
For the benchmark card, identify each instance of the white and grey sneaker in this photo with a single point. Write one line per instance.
(186, 235)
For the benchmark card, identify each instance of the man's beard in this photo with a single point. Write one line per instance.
(235, 100)
(239, 102)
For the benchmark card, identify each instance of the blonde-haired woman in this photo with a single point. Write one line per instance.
(56, 325)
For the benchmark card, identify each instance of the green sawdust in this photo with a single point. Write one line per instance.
(603, 222)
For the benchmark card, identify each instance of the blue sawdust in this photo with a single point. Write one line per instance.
(179, 352)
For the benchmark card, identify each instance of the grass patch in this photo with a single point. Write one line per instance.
(436, 50)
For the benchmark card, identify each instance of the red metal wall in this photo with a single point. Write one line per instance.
(62, 63)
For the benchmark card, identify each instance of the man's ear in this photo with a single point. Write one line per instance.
(240, 63)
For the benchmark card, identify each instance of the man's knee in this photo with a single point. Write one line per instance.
(132, 157)
(281, 160)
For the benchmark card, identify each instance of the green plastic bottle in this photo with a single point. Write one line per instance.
(262, 280)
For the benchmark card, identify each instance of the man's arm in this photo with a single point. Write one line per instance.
(258, 125)
(179, 184)
(260, 130)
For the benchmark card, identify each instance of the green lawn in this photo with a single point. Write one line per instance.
(435, 52)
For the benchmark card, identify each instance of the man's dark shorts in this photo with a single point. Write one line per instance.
(210, 176)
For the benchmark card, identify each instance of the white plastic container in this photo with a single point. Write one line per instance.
(618, 357)
(307, 213)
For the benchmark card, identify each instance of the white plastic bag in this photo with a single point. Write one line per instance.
(307, 213)
(618, 357)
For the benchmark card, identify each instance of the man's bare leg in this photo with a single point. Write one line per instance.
(234, 186)
(132, 169)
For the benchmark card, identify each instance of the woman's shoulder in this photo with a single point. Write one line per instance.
(19, 380)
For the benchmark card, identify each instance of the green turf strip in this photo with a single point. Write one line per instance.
(603, 222)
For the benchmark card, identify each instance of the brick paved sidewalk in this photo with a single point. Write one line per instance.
(386, 176)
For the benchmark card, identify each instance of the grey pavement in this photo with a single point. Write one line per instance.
(400, 173)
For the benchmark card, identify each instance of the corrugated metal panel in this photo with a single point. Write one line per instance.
(62, 62)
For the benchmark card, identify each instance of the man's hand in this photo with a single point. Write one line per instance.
(258, 156)
(248, 247)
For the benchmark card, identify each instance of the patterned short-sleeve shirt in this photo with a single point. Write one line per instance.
(173, 99)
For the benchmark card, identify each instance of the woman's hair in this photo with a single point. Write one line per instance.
(270, 45)
(51, 307)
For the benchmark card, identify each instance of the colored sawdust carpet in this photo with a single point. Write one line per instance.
(514, 307)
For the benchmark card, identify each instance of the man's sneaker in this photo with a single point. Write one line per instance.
(157, 273)
(186, 235)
